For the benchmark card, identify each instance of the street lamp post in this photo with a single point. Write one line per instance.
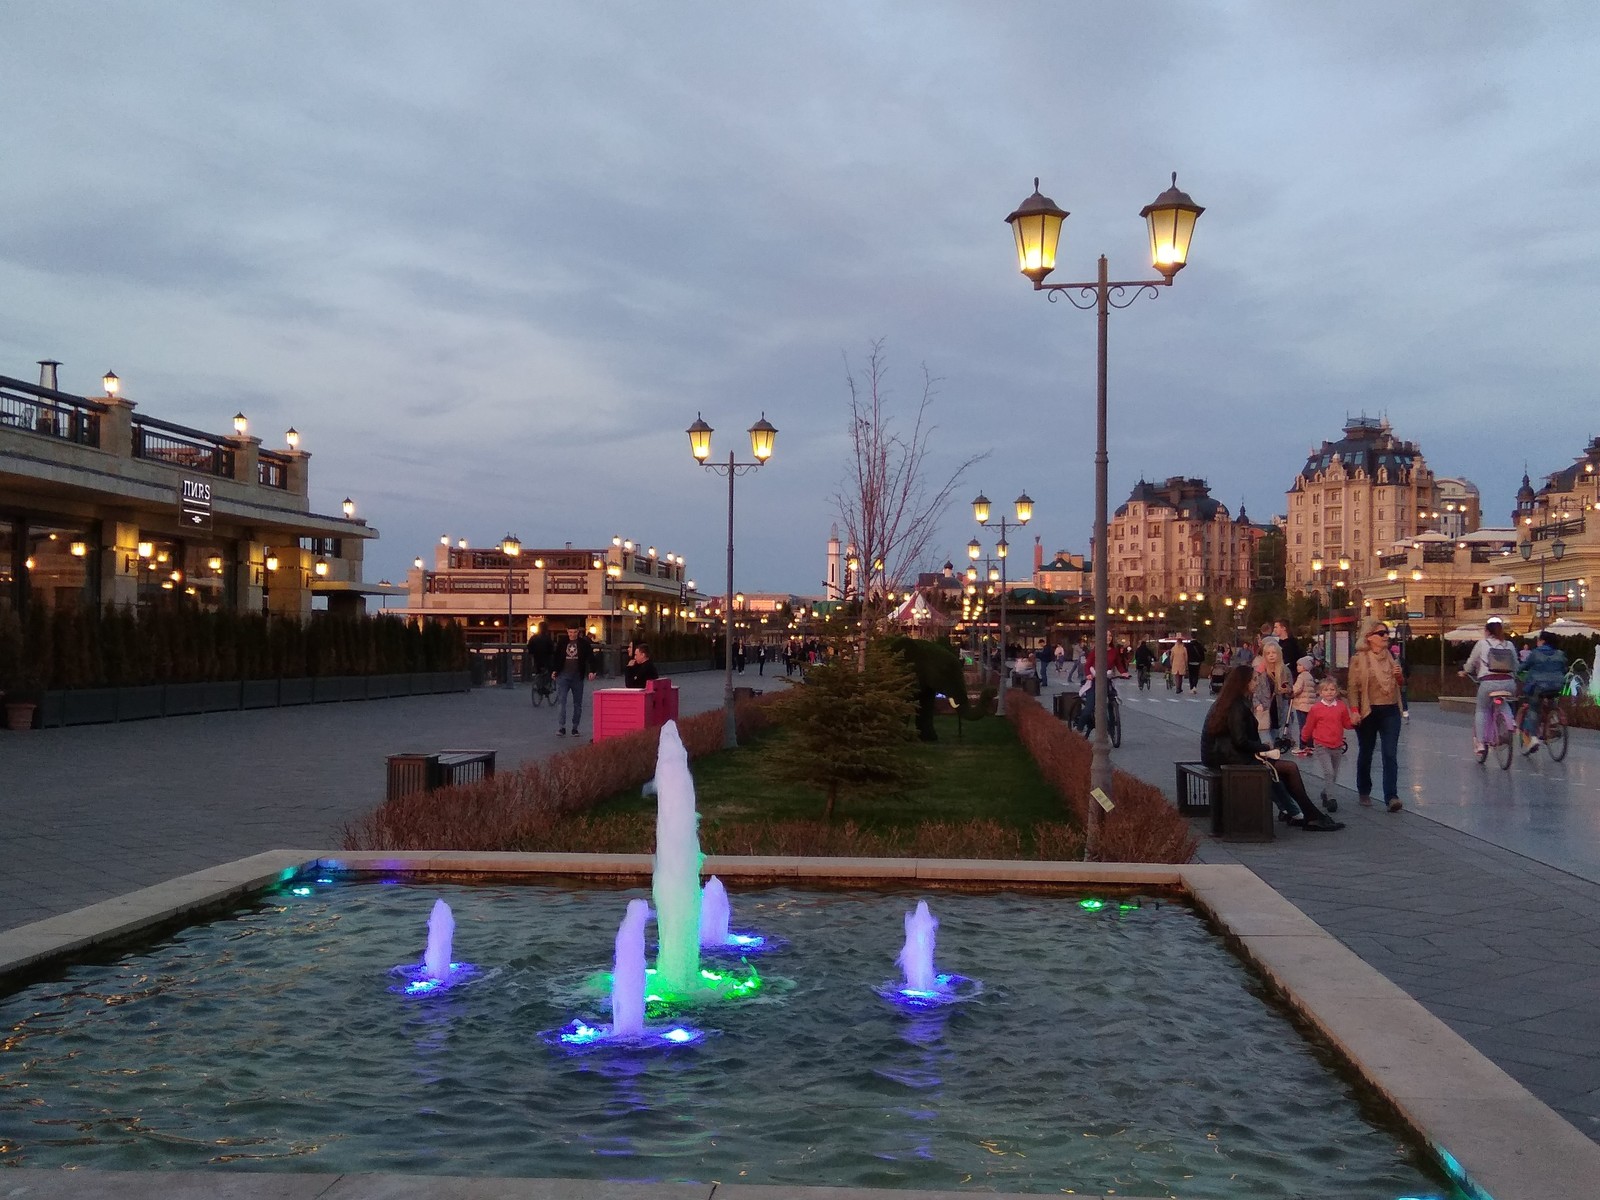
(1036, 225)
(511, 547)
(762, 437)
(1316, 598)
(980, 510)
(1558, 549)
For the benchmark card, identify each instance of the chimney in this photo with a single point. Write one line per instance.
(47, 373)
(1038, 556)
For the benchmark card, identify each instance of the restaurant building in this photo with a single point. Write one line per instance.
(101, 504)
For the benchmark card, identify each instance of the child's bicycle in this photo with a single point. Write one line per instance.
(1502, 730)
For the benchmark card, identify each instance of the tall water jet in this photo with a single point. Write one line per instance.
(628, 973)
(441, 932)
(924, 988)
(715, 913)
(916, 956)
(676, 882)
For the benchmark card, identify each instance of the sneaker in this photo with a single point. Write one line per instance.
(1331, 803)
(1533, 744)
(1366, 801)
(1394, 804)
(1325, 825)
(562, 732)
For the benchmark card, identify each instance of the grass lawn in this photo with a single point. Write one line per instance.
(984, 773)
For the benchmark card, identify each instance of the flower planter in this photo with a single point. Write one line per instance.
(19, 715)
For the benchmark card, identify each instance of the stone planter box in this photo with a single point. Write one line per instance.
(184, 699)
(96, 706)
(141, 703)
(258, 693)
(294, 691)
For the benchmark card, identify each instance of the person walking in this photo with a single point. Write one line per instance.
(1180, 664)
(1374, 685)
(575, 664)
(1323, 732)
(761, 659)
(1197, 655)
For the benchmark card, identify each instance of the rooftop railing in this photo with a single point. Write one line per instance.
(180, 446)
(41, 410)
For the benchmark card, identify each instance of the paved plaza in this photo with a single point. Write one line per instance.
(1482, 899)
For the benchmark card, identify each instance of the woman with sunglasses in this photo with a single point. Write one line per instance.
(1374, 685)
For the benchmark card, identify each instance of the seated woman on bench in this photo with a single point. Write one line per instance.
(1230, 738)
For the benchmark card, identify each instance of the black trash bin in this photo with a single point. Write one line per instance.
(1060, 703)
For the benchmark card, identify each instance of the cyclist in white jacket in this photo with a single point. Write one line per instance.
(1493, 665)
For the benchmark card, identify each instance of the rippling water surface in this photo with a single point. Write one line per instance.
(1114, 1049)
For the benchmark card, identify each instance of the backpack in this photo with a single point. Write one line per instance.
(1501, 660)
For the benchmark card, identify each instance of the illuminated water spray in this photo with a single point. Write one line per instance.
(435, 973)
(628, 974)
(922, 986)
(716, 935)
(676, 882)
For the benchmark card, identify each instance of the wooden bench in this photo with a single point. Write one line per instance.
(410, 773)
(1237, 799)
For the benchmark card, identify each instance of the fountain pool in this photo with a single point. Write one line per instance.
(1114, 1048)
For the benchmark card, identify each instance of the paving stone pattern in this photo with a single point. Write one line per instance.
(1503, 948)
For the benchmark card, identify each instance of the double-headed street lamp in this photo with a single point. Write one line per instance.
(1037, 227)
(980, 510)
(1557, 550)
(762, 436)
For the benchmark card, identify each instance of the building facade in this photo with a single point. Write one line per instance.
(1355, 499)
(1175, 537)
(500, 598)
(100, 504)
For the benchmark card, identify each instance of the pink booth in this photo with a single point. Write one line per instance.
(626, 710)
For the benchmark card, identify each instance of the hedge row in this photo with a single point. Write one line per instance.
(1142, 827)
(127, 647)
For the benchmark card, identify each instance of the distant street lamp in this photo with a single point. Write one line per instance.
(762, 437)
(511, 548)
(1036, 225)
(1557, 551)
(980, 510)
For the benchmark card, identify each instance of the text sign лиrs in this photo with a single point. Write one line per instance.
(194, 503)
(1100, 798)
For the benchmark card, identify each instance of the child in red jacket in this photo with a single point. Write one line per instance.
(1324, 733)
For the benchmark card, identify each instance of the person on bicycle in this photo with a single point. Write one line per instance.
(540, 657)
(1493, 665)
(1542, 676)
(1143, 660)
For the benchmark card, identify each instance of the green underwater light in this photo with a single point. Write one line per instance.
(1092, 905)
(716, 987)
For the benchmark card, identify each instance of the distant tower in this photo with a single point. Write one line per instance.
(835, 565)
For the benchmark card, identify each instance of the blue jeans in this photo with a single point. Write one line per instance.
(569, 685)
(1382, 722)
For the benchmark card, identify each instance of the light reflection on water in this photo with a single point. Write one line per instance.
(1114, 1047)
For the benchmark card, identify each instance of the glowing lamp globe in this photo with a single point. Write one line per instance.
(1171, 217)
(1024, 509)
(1036, 226)
(762, 437)
(700, 439)
(980, 509)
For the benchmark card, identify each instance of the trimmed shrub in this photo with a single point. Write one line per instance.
(1143, 827)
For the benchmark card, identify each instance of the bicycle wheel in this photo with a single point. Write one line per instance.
(1555, 734)
(1114, 723)
(1505, 745)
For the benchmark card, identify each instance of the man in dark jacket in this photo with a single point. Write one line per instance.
(574, 663)
(641, 668)
(538, 657)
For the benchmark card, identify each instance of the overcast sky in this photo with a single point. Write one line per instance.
(491, 259)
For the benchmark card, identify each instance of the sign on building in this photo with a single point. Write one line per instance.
(194, 503)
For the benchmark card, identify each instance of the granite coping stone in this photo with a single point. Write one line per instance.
(1495, 1133)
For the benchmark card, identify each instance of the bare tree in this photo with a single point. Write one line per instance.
(889, 510)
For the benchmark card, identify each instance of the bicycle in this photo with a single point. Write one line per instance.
(1144, 679)
(1505, 727)
(1114, 720)
(1552, 729)
(544, 688)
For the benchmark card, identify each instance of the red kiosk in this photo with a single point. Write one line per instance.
(618, 711)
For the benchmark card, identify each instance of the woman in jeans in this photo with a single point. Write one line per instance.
(1374, 685)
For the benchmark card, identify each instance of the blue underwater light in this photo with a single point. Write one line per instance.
(579, 1036)
(946, 990)
(415, 981)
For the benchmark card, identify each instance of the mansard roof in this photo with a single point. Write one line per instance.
(1188, 499)
(1368, 445)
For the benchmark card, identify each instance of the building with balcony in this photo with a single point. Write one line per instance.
(1458, 510)
(1356, 498)
(501, 598)
(100, 504)
(1175, 537)
(1436, 583)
